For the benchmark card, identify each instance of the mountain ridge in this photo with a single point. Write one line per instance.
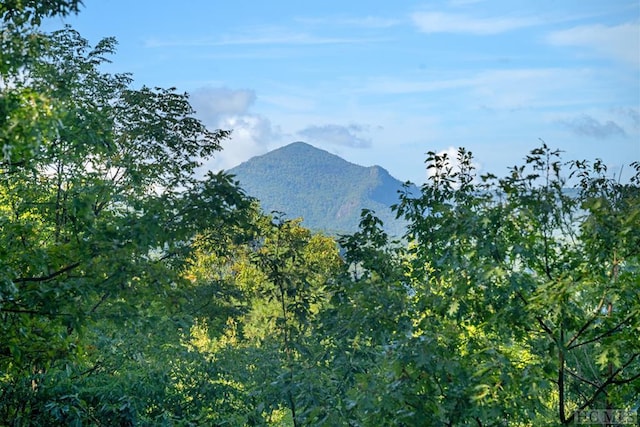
(325, 190)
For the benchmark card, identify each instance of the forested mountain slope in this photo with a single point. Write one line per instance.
(327, 191)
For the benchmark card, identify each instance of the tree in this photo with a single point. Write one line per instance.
(99, 217)
(533, 285)
(362, 327)
(27, 116)
(260, 345)
(294, 268)
(515, 301)
(31, 12)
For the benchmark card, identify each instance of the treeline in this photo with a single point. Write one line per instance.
(132, 293)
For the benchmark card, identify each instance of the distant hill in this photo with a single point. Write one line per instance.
(325, 190)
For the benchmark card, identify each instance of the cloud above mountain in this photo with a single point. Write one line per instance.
(225, 108)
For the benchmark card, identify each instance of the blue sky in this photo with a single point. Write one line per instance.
(380, 82)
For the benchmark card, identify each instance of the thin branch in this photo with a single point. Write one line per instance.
(99, 303)
(89, 371)
(49, 277)
(578, 377)
(35, 312)
(546, 328)
(539, 319)
(627, 380)
(587, 324)
(610, 380)
(602, 335)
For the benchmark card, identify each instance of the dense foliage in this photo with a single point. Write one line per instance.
(133, 293)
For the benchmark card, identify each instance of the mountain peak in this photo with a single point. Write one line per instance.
(300, 148)
(301, 145)
(327, 191)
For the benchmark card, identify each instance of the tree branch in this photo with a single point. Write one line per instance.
(587, 324)
(610, 380)
(627, 380)
(35, 312)
(89, 371)
(539, 319)
(100, 301)
(578, 377)
(602, 335)
(547, 329)
(49, 277)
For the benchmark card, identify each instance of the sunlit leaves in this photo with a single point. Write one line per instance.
(100, 213)
(522, 302)
(535, 266)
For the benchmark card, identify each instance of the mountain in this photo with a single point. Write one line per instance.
(327, 191)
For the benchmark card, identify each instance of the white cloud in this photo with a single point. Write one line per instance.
(260, 36)
(289, 38)
(250, 137)
(521, 88)
(337, 135)
(224, 108)
(620, 42)
(368, 21)
(439, 22)
(371, 22)
(394, 86)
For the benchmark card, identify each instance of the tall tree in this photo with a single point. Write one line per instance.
(264, 342)
(99, 216)
(514, 303)
(26, 116)
(294, 269)
(533, 283)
